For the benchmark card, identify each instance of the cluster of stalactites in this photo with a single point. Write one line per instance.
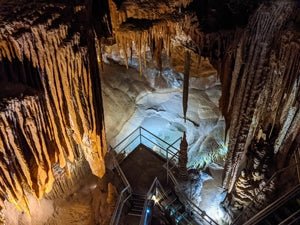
(69, 178)
(149, 10)
(158, 36)
(46, 128)
(163, 26)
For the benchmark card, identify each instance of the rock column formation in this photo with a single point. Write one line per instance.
(183, 158)
(263, 91)
(51, 107)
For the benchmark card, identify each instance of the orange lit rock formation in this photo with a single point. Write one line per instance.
(48, 110)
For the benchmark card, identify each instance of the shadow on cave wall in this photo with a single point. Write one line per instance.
(215, 15)
(19, 79)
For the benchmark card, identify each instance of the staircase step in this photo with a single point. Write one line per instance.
(135, 214)
(136, 210)
(138, 195)
(137, 202)
(138, 206)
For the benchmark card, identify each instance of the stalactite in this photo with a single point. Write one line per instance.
(160, 24)
(68, 179)
(140, 53)
(158, 46)
(99, 49)
(185, 91)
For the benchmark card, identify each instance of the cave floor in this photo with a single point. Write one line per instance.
(141, 167)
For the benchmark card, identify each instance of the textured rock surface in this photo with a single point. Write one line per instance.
(51, 106)
(264, 90)
(258, 65)
(49, 112)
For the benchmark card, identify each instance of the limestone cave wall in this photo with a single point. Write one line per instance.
(263, 91)
(51, 108)
(259, 69)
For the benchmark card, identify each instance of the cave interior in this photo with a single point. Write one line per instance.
(147, 112)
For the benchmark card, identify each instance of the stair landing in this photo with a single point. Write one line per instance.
(141, 167)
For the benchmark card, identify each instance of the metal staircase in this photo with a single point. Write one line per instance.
(169, 203)
(178, 206)
(137, 204)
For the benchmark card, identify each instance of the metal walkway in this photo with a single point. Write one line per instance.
(181, 209)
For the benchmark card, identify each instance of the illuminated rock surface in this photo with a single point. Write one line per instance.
(51, 108)
(47, 109)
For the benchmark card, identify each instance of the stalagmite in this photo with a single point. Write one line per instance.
(183, 158)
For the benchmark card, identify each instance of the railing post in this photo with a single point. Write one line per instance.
(297, 157)
(167, 166)
(140, 135)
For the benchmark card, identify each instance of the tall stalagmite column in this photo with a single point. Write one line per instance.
(183, 158)
(263, 86)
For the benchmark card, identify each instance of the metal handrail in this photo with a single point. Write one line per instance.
(166, 149)
(278, 203)
(158, 145)
(120, 204)
(173, 155)
(122, 197)
(158, 137)
(124, 149)
(247, 209)
(146, 203)
(294, 221)
(188, 201)
(125, 138)
(290, 217)
(154, 186)
(127, 190)
(124, 179)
